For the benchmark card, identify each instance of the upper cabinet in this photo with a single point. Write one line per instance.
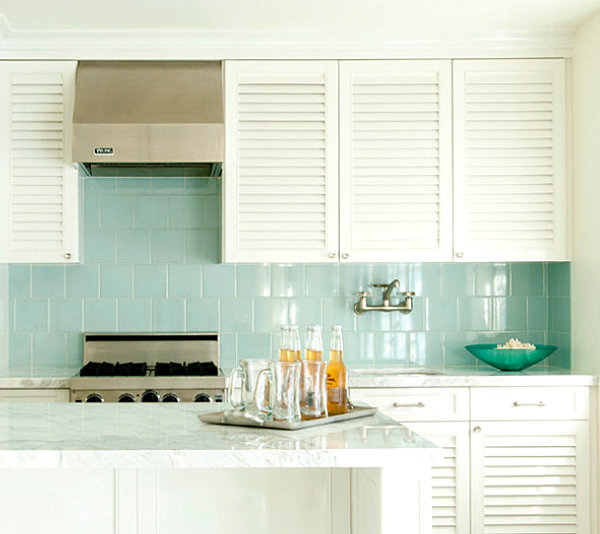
(38, 182)
(438, 161)
(281, 161)
(510, 189)
(395, 161)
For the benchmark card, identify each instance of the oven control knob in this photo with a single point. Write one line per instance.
(126, 397)
(170, 397)
(150, 396)
(202, 397)
(94, 397)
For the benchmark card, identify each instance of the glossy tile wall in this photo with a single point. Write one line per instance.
(3, 316)
(151, 248)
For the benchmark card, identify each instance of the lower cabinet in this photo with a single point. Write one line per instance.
(509, 466)
(34, 395)
(530, 476)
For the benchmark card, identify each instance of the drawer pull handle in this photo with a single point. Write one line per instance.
(540, 404)
(415, 405)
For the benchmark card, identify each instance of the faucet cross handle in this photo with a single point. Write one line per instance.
(362, 294)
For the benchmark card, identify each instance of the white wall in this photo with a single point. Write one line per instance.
(3, 316)
(585, 269)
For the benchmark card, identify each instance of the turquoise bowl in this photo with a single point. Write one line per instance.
(510, 359)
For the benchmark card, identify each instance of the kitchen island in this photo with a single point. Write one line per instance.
(155, 468)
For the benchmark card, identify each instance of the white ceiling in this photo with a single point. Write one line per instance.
(320, 15)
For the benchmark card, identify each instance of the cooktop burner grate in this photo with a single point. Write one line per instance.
(98, 369)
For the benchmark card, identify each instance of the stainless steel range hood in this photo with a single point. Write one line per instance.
(163, 114)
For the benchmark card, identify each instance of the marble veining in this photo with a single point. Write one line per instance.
(55, 435)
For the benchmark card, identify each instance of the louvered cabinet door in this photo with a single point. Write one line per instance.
(395, 161)
(530, 477)
(450, 478)
(281, 162)
(39, 182)
(510, 193)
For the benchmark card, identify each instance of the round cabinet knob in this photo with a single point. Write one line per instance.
(476, 429)
(460, 255)
(332, 255)
(345, 256)
(67, 255)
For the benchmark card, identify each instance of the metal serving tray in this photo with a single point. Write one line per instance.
(237, 418)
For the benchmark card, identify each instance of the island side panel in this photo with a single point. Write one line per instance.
(392, 500)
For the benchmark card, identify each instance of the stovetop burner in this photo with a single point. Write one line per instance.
(183, 369)
(106, 369)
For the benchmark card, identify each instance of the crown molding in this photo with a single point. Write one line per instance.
(275, 44)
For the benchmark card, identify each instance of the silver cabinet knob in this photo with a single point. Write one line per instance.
(459, 254)
(67, 255)
(332, 255)
(345, 256)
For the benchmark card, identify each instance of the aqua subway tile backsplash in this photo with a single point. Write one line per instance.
(151, 252)
(47, 281)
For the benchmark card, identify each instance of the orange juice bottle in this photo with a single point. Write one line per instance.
(337, 375)
(314, 343)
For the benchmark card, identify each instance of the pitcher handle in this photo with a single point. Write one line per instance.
(262, 392)
(231, 389)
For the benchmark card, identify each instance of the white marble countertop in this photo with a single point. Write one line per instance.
(58, 378)
(69, 435)
(466, 377)
(37, 377)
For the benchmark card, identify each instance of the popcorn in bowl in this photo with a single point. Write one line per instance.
(516, 344)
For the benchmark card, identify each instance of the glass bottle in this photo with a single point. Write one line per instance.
(314, 343)
(337, 375)
(289, 344)
(295, 343)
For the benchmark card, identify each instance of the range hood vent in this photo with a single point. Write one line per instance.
(130, 116)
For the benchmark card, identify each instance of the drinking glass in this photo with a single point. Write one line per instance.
(249, 372)
(313, 391)
(282, 402)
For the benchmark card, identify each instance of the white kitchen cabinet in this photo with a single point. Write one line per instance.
(517, 459)
(34, 395)
(530, 476)
(38, 182)
(510, 188)
(281, 161)
(395, 161)
(401, 123)
(442, 416)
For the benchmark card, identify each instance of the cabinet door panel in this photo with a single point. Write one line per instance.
(450, 479)
(39, 180)
(510, 192)
(395, 161)
(281, 176)
(530, 477)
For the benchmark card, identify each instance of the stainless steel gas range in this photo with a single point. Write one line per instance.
(149, 368)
